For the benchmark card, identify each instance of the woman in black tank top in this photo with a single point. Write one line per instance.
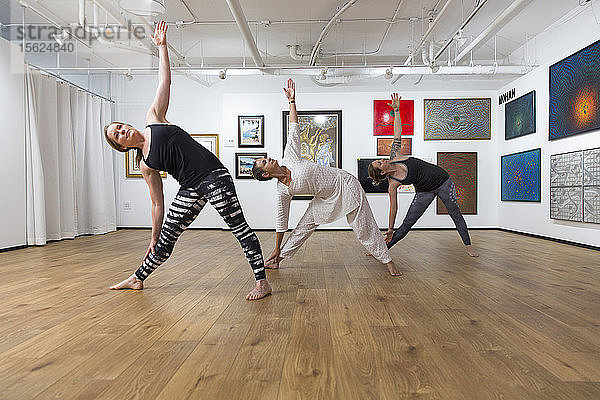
(162, 146)
(429, 181)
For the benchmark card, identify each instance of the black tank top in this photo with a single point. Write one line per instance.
(174, 151)
(425, 176)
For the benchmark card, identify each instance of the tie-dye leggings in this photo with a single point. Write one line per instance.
(218, 189)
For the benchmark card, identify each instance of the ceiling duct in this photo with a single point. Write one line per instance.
(143, 8)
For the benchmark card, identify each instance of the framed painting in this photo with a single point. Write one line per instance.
(575, 93)
(383, 117)
(519, 116)
(367, 183)
(457, 119)
(251, 131)
(575, 186)
(320, 138)
(462, 168)
(244, 163)
(521, 176)
(132, 170)
(384, 146)
(209, 141)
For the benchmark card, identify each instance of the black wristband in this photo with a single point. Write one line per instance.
(292, 101)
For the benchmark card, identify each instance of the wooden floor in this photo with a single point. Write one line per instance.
(520, 322)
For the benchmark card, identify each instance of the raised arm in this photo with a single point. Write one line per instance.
(292, 146)
(158, 109)
(155, 185)
(395, 104)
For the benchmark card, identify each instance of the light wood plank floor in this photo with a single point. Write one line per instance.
(520, 322)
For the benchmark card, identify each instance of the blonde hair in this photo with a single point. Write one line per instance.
(118, 147)
(375, 175)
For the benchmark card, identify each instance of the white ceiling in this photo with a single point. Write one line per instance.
(214, 40)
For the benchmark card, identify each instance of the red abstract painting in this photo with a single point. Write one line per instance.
(383, 117)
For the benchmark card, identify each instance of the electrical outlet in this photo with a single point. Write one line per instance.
(126, 206)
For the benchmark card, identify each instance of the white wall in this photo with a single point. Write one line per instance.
(564, 39)
(12, 146)
(214, 110)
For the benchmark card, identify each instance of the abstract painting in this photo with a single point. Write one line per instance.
(320, 138)
(457, 119)
(462, 168)
(383, 117)
(251, 131)
(575, 93)
(244, 163)
(521, 176)
(384, 146)
(575, 186)
(367, 183)
(519, 116)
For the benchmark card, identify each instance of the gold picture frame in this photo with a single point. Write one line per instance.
(132, 170)
(209, 140)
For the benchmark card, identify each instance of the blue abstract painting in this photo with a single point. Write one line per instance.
(521, 176)
(575, 93)
(519, 116)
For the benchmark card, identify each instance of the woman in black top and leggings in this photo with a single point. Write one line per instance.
(162, 146)
(429, 181)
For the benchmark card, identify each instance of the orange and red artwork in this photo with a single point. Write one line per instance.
(462, 168)
(383, 117)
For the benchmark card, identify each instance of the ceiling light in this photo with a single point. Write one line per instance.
(60, 37)
(128, 75)
(434, 68)
(323, 75)
(144, 8)
(388, 73)
(222, 74)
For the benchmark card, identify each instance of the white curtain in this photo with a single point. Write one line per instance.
(70, 184)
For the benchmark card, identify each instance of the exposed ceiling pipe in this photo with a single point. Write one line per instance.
(493, 28)
(460, 28)
(242, 23)
(189, 12)
(107, 7)
(294, 53)
(378, 49)
(98, 35)
(428, 32)
(331, 71)
(27, 4)
(178, 55)
(317, 46)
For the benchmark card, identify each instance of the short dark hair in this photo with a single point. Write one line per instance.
(257, 172)
(376, 175)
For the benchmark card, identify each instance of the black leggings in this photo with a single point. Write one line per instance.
(219, 190)
(447, 193)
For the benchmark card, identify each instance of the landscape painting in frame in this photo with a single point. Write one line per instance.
(519, 116)
(462, 168)
(132, 170)
(251, 131)
(383, 117)
(208, 140)
(457, 119)
(521, 176)
(575, 93)
(244, 163)
(367, 183)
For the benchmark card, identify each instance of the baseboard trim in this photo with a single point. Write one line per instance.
(563, 241)
(13, 248)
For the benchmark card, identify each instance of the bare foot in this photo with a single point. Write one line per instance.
(130, 283)
(392, 268)
(471, 252)
(261, 290)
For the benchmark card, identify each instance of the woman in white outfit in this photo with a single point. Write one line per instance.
(336, 193)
